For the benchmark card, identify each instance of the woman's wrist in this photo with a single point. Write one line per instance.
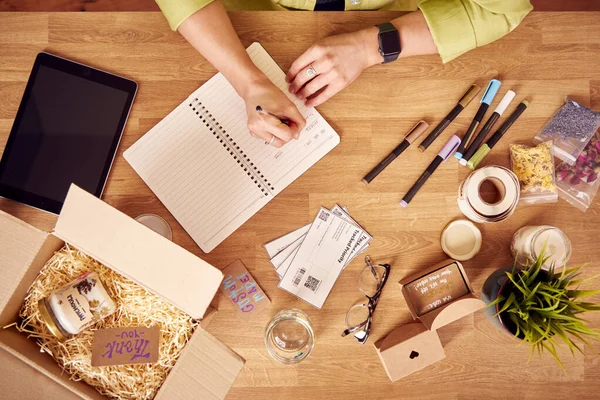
(247, 80)
(369, 43)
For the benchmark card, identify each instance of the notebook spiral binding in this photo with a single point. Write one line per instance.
(231, 146)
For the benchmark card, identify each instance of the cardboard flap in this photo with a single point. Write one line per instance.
(137, 252)
(408, 349)
(206, 369)
(19, 244)
(451, 312)
(400, 335)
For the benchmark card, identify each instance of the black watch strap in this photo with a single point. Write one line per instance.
(387, 54)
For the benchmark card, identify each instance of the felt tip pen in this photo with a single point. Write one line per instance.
(462, 103)
(486, 99)
(448, 149)
(483, 151)
(410, 137)
(283, 120)
(508, 97)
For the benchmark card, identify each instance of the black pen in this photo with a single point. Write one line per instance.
(410, 137)
(485, 148)
(508, 97)
(486, 100)
(283, 120)
(462, 103)
(442, 156)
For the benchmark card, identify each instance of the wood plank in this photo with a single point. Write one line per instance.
(550, 56)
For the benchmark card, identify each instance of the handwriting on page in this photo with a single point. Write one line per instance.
(437, 288)
(243, 291)
(132, 345)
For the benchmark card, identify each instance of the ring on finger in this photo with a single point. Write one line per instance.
(270, 142)
(311, 71)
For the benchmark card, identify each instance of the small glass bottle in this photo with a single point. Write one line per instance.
(529, 241)
(76, 306)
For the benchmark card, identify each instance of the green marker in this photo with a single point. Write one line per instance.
(485, 148)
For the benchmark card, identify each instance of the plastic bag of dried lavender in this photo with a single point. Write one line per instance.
(579, 183)
(570, 129)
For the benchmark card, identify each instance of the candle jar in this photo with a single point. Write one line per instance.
(529, 241)
(76, 306)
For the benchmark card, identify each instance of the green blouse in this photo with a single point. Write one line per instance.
(457, 26)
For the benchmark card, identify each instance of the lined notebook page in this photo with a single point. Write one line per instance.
(192, 159)
(280, 166)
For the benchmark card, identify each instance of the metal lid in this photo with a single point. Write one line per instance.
(461, 240)
(46, 316)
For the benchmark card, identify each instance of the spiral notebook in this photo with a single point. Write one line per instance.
(206, 168)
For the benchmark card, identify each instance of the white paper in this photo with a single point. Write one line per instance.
(321, 257)
(274, 247)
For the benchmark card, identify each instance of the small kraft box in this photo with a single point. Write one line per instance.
(206, 369)
(435, 297)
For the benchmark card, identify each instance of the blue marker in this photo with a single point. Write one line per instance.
(486, 100)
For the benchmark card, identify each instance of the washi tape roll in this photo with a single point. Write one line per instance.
(477, 209)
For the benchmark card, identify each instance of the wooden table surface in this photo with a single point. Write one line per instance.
(549, 56)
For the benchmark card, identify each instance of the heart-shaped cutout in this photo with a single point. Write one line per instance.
(413, 354)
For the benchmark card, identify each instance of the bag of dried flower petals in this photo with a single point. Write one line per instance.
(570, 128)
(578, 183)
(534, 166)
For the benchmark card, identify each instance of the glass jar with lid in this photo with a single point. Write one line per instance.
(76, 306)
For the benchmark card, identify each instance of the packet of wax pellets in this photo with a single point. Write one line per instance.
(534, 166)
(579, 183)
(570, 128)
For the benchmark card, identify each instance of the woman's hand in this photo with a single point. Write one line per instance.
(272, 100)
(336, 62)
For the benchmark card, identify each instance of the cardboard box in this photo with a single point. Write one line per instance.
(206, 368)
(414, 346)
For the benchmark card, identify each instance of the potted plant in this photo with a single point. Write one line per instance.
(541, 307)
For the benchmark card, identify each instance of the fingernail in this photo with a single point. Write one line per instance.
(296, 136)
(291, 90)
(298, 95)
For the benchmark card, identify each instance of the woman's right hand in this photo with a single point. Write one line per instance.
(266, 127)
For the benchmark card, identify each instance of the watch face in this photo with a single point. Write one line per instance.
(390, 42)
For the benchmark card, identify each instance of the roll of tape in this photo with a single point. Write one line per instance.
(504, 184)
(474, 207)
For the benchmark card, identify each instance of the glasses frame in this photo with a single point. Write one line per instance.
(371, 304)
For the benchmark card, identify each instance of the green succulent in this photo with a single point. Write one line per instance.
(546, 307)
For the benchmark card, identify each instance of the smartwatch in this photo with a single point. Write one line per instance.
(389, 42)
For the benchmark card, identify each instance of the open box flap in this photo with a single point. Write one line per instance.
(137, 252)
(408, 349)
(206, 369)
(19, 245)
(451, 312)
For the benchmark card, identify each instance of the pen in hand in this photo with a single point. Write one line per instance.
(283, 120)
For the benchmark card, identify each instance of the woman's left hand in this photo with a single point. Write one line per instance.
(332, 64)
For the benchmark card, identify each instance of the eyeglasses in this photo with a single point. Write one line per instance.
(371, 281)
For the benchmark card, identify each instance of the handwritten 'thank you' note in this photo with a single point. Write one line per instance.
(437, 288)
(243, 291)
(132, 345)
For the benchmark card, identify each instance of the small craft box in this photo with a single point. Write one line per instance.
(206, 368)
(414, 346)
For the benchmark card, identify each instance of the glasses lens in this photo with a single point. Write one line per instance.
(357, 315)
(370, 279)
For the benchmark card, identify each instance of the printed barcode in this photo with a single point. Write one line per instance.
(299, 276)
(312, 283)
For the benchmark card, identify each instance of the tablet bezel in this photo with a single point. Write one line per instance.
(79, 70)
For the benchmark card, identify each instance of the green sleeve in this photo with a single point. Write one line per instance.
(177, 11)
(458, 26)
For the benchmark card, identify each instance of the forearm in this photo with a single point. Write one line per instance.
(210, 32)
(415, 38)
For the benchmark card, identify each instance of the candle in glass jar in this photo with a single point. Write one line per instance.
(76, 306)
(529, 241)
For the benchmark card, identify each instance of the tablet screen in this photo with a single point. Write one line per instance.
(66, 132)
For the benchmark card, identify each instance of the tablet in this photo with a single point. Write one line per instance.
(67, 130)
